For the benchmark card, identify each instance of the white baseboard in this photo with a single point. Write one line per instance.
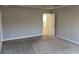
(22, 37)
(68, 39)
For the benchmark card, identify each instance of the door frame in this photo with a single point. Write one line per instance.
(54, 21)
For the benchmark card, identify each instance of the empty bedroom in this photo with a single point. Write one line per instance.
(39, 29)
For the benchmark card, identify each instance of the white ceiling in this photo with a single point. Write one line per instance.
(38, 6)
(43, 6)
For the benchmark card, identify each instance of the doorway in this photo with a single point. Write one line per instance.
(49, 24)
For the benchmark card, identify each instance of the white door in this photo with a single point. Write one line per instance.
(0, 32)
(49, 24)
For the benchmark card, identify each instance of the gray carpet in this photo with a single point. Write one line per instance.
(39, 45)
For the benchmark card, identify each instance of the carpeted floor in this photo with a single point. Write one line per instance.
(39, 45)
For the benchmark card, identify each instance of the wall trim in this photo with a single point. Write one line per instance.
(68, 39)
(22, 37)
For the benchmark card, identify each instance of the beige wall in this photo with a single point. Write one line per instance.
(67, 23)
(20, 22)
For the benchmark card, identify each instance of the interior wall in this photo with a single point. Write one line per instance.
(67, 22)
(0, 30)
(21, 22)
(0, 25)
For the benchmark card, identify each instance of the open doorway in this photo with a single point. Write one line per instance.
(49, 24)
